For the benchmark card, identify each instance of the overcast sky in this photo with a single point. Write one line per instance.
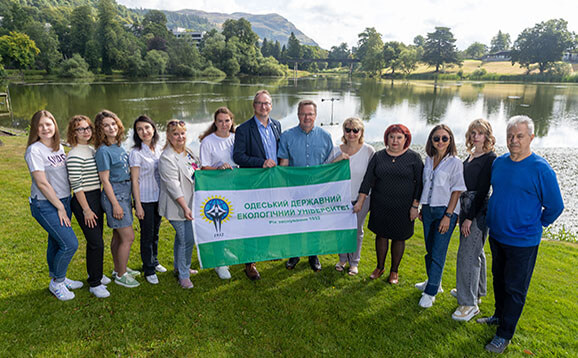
(331, 22)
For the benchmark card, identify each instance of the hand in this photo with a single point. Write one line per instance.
(466, 227)
(420, 216)
(63, 216)
(444, 225)
(139, 211)
(188, 214)
(342, 156)
(117, 211)
(357, 206)
(413, 213)
(269, 163)
(89, 218)
(226, 166)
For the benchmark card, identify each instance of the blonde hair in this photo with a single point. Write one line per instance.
(170, 128)
(33, 136)
(71, 129)
(484, 127)
(358, 123)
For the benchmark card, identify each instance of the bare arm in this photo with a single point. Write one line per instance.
(117, 211)
(48, 191)
(360, 201)
(134, 178)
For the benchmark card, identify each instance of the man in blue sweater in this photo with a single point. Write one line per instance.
(525, 198)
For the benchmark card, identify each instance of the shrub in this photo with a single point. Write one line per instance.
(212, 71)
(75, 67)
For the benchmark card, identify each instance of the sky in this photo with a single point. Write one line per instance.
(330, 23)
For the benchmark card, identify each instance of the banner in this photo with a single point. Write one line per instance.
(254, 214)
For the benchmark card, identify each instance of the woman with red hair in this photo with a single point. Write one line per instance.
(394, 176)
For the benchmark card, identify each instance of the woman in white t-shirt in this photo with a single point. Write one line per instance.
(217, 153)
(50, 200)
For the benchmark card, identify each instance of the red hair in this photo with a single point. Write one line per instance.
(398, 128)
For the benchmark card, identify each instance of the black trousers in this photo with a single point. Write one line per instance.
(94, 242)
(512, 268)
(149, 237)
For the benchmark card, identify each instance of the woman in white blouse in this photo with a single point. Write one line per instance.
(217, 153)
(443, 182)
(144, 174)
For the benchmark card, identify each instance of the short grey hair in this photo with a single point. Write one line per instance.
(516, 120)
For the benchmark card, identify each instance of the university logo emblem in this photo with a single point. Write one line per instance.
(217, 210)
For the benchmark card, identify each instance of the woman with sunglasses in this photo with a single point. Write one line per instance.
(394, 178)
(113, 169)
(443, 182)
(471, 262)
(359, 154)
(144, 174)
(216, 152)
(177, 166)
(85, 183)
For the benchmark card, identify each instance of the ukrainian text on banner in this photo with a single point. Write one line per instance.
(248, 215)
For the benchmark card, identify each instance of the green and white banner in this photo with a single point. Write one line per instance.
(249, 215)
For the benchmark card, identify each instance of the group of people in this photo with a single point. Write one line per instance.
(393, 185)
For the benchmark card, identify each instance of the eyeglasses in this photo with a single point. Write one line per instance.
(354, 130)
(443, 139)
(83, 129)
(175, 122)
(262, 103)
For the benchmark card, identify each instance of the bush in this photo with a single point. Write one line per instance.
(183, 70)
(75, 67)
(560, 69)
(212, 71)
(270, 67)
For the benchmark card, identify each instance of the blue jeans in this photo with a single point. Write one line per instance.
(183, 249)
(436, 245)
(62, 242)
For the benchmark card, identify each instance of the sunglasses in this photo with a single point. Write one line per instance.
(443, 139)
(354, 130)
(175, 122)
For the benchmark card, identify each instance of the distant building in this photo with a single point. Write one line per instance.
(570, 57)
(192, 37)
(497, 56)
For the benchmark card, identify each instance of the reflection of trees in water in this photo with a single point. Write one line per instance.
(370, 93)
(540, 102)
(434, 104)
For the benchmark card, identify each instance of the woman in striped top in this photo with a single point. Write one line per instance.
(85, 184)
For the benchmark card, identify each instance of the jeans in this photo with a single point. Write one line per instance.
(183, 249)
(436, 245)
(94, 242)
(149, 237)
(512, 268)
(62, 242)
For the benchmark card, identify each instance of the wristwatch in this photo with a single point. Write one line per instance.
(449, 215)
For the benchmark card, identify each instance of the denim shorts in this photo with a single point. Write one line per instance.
(122, 192)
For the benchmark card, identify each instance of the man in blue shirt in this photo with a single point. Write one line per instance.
(303, 146)
(256, 143)
(525, 197)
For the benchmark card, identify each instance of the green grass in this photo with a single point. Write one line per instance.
(288, 313)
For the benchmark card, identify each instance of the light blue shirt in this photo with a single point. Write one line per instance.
(115, 159)
(268, 139)
(305, 149)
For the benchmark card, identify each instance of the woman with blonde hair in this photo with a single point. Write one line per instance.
(471, 262)
(50, 200)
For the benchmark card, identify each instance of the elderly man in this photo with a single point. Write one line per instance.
(525, 197)
(256, 143)
(303, 146)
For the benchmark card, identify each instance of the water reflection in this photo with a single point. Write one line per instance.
(419, 104)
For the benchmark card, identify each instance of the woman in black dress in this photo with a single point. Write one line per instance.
(394, 176)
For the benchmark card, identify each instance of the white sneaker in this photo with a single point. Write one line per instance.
(422, 285)
(426, 301)
(160, 268)
(223, 272)
(152, 279)
(105, 280)
(99, 291)
(60, 291)
(72, 285)
(465, 313)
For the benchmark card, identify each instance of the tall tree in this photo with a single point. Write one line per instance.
(82, 29)
(18, 50)
(408, 60)
(47, 42)
(391, 52)
(544, 44)
(476, 50)
(440, 48)
(369, 50)
(241, 29)
(338, 52)
(500, 42)
(294, 50)
(108, 33)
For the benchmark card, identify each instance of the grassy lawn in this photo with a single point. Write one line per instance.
(298, 313)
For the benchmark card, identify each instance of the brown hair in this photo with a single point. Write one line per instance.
(398, 128)
(432, 151)
(213, 128)
(33, 134)
(358, 123)
(485, 128)
(306, 102)
(71, 129)
(99, 136)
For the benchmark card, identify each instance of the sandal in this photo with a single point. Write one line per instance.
(353, 271)
(376, 273)
(340, 266)
(393, 279)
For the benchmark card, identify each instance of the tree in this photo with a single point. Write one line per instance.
(369, 50)
(18, 50)
(440, 48)
(408, 60)
(155, 62)
(500, 42)
(544, 44)
(241, 29)
(338, 52)
(75, 67)
(419, 41)
(82, 29)
(294, 50)
(476, 50)
(391, 52)
(45, 39)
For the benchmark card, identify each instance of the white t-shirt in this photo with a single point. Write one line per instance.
(41, 158)
(215, 151)
(439, 183)
(357, 165)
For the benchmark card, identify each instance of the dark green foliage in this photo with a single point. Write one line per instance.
(476, 51)
(75, 67)
(440, 48)
(500, 42)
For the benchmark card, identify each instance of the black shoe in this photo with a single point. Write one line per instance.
(497, 345)
(314, 263)
(492, 320)
(291, 263)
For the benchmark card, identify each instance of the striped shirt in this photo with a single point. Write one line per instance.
(148, 178)
(82, 172)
